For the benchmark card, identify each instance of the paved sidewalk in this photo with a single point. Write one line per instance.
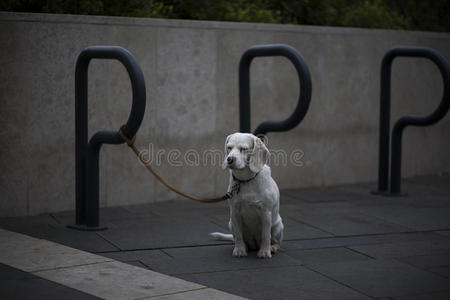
(340, 243)
(59, 271)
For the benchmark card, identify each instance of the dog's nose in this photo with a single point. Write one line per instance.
(230, 160)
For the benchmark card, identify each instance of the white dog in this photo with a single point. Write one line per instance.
(254, 207)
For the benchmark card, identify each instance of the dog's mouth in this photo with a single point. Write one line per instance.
(231, 166)
(234, 166)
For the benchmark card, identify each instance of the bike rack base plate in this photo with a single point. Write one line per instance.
(86, 228)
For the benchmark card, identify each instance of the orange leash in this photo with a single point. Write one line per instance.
(138, 153)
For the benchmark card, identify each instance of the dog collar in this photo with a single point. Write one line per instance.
(244, 181)
(237, 187)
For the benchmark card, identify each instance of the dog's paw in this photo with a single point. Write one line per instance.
(264, 253)
(239, 252)
(274, 248)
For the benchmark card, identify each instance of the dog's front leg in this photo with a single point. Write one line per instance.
(240, 248)
(266, 224)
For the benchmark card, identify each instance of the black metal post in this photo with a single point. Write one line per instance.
(87, 154)
(244, 88)
(385, 116)
(400, 125)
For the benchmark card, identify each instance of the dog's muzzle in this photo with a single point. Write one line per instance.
(230, 162)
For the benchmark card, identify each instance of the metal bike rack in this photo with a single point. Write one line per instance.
(244, 88)
(87, 154)
(400, 125)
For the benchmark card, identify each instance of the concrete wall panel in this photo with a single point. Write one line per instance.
(191, 73)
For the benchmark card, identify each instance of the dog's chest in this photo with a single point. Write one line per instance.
(247, 202)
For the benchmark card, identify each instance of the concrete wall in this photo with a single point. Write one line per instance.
(190, 69)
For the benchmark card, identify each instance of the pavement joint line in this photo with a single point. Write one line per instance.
(170, 294)
(110, 280)
(426, 294)
(337, 281)
(144, 264)
(68, 267)
(335, 237)
(169, 247)
(310, 225)
(387, 221)
(55, 219)
(431, 270)
(368, 235)
(52, 226)
(359, 252)
(167, 253)
(108, 241)
(241, 269)
(398, 259)
(424, 255)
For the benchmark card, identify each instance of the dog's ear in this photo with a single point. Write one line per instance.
(224, 163)
(226, 142)
(259, 155)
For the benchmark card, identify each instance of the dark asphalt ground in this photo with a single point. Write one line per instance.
(340, 243)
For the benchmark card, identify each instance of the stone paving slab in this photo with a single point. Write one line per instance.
(139, 255)
(137, 263)
(444, 232)
(402, 249)
(75, 269)
(209, 294)
(323, 195)
(424, 218)
(431, 296)
(10, 273)
(443, 271)
(102, 280)
(295, 207)
(362, 240)
(214, 259)
(384, 278)
(340, 243)
(52, 229)
(17, 284)
(148, 259)
(326, 255)
(427, 261)
(159, 232)
(276, 283)
(350, 224)
(30, 254)
(199, 259)
(420, 194)
(426, 186)
(106, 214)
(294, 229)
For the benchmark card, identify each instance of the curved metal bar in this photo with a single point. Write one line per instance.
(87, 154)
(137, 85)
(244, 87)
(400, 125)
(434, 117)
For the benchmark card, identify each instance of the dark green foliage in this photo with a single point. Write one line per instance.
(431, 15)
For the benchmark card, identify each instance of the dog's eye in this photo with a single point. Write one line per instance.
(228, 148)
(242, 149)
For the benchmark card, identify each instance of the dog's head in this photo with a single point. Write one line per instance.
(245, 150)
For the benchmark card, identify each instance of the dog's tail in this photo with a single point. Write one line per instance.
(222, 236)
